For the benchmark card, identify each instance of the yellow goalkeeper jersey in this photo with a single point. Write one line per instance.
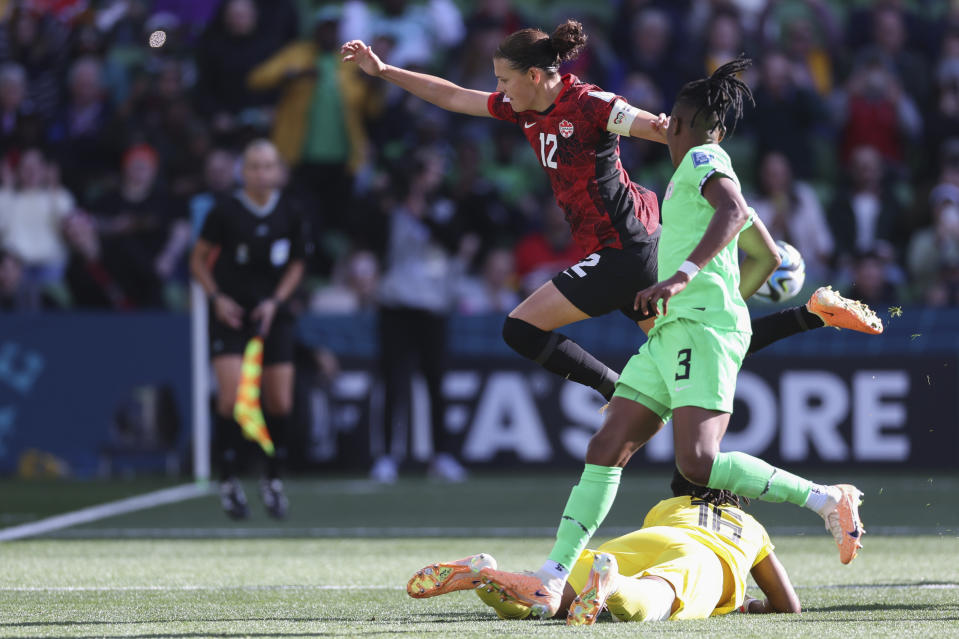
(737, 538)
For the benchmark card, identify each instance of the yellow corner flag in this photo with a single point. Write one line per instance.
(247, 411)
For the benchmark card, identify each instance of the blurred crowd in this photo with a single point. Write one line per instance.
(121, 120)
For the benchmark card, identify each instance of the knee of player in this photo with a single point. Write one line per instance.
(524, 338)
(695, 467)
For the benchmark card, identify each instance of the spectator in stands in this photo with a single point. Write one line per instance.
(541, 254)
(354, 286)
(791, 211)
(651, 53)
(81, 132)
(723, 39)
(39, 43)
(787, 114)
(141, 228)
(865, 215)
(19, 125)
(11, 276)
(219, 176)
(33, 206)
(494, 290)
(933, 256)
(92, 281)
(416, 295)
(890, 47)
(810, 36)
(241, 37)
(871, 281)
(418, 31)
(319, 126)
(875, 111)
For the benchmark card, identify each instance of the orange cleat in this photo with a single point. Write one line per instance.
(839, 312)
(439, 579)
(844, 523)
(600, 584)
(525, 589)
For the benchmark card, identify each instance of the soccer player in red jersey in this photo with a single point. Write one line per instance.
(574, 128)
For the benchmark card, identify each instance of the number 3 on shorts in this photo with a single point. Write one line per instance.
(684, 356)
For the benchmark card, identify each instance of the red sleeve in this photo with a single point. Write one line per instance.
(596, 106)
(499, 108)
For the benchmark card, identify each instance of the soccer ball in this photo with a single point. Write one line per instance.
(786, 280)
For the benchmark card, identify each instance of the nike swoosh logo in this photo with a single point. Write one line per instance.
(681, 388)
(527, 125)
(854, 533)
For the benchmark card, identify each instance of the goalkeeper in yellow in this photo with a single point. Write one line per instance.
(690, 560)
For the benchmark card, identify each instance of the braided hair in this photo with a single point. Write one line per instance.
(682, 487)
(716, 95)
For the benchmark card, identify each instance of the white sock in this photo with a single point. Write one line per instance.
(823, 499)
(553, 576)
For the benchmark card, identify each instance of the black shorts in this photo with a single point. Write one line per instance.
(277, 347)
(609, 279)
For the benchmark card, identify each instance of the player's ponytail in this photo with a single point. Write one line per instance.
(719, 95)
(528, 48)
(568, 40)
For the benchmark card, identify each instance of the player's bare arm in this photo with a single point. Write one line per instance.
(772, 579)
(731, 215)
(649, 126)
(435, 90)
(761, 260)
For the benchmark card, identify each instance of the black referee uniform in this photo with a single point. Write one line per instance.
(256, 245)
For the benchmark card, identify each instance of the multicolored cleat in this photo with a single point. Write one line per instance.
(839, 312)
(505, 608)
(439, 579)
(600, 584)
(844, 523)
(523, 588)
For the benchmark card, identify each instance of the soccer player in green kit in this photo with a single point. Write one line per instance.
(688, 367)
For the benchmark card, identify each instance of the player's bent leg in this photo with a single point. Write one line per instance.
(644, 599)
(696, 436)
(441, 578)
(627, 426)
(840, 312)
(530, 331)
(600, 584)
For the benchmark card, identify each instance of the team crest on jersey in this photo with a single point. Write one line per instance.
(566, 128)
(669, 192)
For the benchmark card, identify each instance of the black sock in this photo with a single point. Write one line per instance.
(229, 440)
(570, 360)
(772, 328)
(279, 426)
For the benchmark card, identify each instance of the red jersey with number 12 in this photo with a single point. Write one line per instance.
(603, 207)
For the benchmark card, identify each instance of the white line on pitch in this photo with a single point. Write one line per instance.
(929, 586)
(102, 511)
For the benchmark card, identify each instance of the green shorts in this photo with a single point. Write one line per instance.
(684, 363)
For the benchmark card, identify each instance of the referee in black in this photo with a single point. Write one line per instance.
(250, 258)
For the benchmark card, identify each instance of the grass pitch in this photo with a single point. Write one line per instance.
(148, 575)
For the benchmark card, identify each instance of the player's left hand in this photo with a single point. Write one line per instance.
(264, 313)
(647, 300)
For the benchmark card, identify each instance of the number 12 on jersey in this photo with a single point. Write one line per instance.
(547, 149)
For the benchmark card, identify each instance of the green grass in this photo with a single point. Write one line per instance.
(277, 581)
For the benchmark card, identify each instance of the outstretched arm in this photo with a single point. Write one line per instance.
(772, 579)
(438, 91)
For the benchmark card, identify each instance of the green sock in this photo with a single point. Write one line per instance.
(752, 477)
(589, 501)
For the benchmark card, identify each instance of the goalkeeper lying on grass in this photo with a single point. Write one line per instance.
(690, 560)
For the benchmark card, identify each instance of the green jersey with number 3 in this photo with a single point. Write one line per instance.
(712, 297)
